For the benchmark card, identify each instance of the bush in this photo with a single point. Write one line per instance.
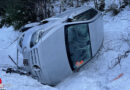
(17, 13)
(21, 12)
(114, 8)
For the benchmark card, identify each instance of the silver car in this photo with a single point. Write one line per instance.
(69, 40)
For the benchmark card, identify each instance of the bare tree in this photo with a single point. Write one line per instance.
(95, 3)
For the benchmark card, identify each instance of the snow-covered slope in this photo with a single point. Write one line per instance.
(7, 45)
(108, 70)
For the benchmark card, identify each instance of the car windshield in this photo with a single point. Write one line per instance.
(21, 41)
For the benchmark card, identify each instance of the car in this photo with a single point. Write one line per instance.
(55, 50)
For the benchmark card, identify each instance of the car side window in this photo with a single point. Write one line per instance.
(78, 44)
(87, 15)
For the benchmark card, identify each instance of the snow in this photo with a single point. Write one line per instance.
(108, 70)
(15, 81)
(32, 24)
(7, 45)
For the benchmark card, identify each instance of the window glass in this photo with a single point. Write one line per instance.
(87, 15)
(21, 41)
(78, 44)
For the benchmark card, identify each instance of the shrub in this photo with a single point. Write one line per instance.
(114, 9)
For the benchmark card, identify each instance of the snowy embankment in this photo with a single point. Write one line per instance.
(108, 70)
(7, 45)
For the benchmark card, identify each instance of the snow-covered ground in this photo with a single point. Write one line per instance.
(108, 70)
(7, 44)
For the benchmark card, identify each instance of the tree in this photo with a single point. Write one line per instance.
(99, 4)
(21, 12)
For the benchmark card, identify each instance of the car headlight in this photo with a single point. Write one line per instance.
(36, 37)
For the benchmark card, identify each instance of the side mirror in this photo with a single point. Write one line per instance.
(36, 68)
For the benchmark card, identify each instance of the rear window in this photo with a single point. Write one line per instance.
(87, 15)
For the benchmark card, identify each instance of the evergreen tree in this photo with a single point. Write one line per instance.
(20, 12)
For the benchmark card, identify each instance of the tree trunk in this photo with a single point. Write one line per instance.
(96, 4)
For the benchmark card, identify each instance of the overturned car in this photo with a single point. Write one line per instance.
(56, 49)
